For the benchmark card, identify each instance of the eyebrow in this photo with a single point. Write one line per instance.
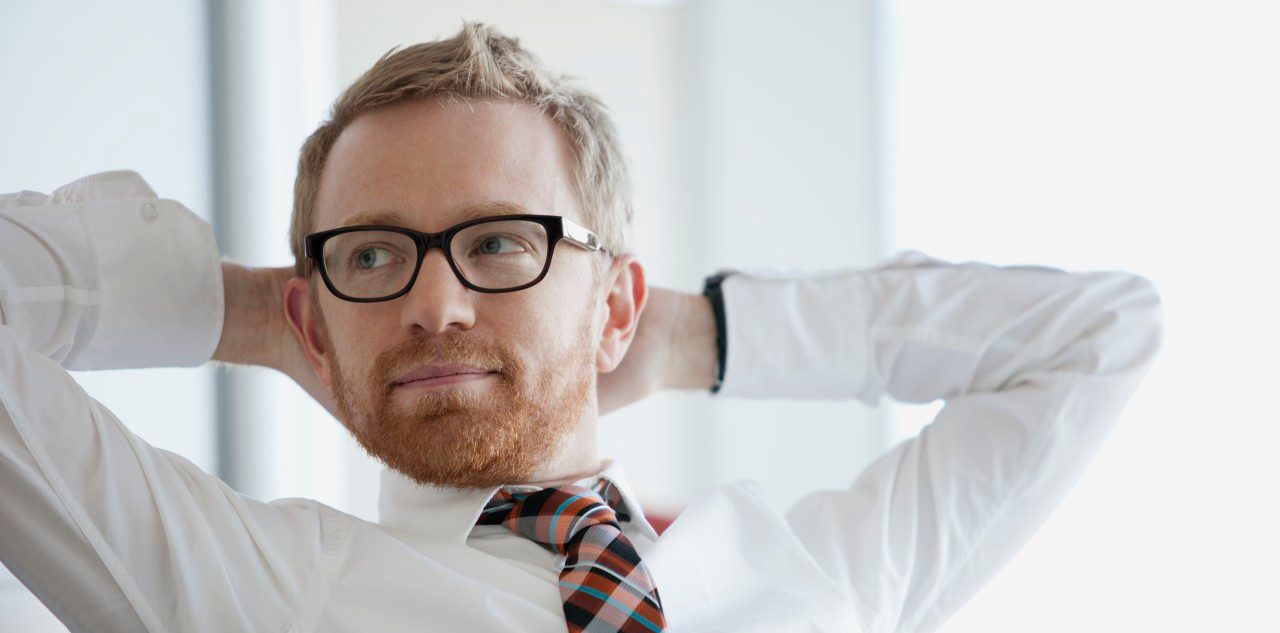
(480, 210)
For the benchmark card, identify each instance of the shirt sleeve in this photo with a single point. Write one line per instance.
(108, 531)
(102, 274)
(1034, 365)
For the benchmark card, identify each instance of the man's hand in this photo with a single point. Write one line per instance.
(674, 348)
(254, 330)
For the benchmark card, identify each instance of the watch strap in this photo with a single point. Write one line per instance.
(712, 291)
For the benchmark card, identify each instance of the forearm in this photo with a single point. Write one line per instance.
(102, 274)
(919, 329)
(1034, 365)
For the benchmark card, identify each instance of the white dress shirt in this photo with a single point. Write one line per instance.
(1035, 365)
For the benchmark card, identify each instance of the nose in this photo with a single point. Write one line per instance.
(438, 301)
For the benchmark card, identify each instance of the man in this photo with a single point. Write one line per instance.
(464, 302)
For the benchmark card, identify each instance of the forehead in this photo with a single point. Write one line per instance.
(433, 164)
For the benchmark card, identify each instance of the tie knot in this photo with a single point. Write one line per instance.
(554, 517)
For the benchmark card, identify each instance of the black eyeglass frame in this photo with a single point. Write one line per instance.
(557, 227)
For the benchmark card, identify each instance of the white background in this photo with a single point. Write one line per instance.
(1141, 135)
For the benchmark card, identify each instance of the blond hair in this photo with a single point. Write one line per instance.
(479, 62)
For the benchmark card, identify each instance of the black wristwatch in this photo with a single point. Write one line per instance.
(711, 290)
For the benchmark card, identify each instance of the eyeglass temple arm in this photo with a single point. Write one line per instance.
(579, 235)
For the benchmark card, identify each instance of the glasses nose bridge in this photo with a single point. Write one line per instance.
(428, 241)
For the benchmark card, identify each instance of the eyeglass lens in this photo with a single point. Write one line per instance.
(369, 263)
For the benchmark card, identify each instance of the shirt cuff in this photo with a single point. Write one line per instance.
(161, 284)
(799, 336)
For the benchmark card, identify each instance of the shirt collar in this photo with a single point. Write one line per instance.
(450, 513)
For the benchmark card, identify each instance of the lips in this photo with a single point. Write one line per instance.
(436, 371)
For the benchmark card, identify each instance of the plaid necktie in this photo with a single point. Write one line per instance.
(605, 586)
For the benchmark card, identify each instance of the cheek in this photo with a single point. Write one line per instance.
(356, 342)
(563, 329)
(538, 327)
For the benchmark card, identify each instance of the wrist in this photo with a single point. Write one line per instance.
(249, 313)
(694, 361)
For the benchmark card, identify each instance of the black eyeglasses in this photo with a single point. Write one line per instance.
(502, 253)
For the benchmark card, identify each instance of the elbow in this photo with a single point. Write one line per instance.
(1140, 324)
(1118, 330)
(1126, 332)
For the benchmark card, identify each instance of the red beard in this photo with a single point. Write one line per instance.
(461, 436)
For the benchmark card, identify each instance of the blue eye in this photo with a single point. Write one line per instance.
(492, 245)
(367, 258)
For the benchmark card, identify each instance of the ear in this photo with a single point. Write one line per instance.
(303, 317)
(626, 294)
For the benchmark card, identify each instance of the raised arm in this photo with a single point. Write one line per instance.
(108, 531)
(72, 276)
(1034, 364)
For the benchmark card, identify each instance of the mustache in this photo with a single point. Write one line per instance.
(456, 349)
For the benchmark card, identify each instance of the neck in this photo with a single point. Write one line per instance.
(579, 455)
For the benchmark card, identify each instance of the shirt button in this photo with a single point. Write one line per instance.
(149, 212)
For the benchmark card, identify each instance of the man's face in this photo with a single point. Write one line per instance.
(429, 162)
